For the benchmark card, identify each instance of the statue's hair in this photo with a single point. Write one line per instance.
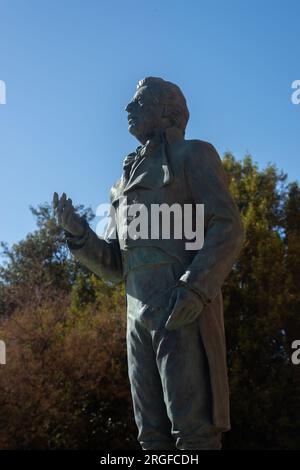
(171, 95)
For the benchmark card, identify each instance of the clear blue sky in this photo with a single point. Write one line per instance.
(71, 66)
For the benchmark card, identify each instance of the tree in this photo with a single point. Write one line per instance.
(65, 383)
(261, 298)
(38, 266)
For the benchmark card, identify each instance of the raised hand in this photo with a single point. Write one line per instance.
(66, 215)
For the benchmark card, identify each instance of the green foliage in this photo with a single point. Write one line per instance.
(65, 384)
(38, 266)
(261, 298)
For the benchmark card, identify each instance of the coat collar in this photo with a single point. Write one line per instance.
(149, 166)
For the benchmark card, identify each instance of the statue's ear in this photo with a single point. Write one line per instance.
(168, 114)
(165, 111)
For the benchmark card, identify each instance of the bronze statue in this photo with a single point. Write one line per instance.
(175, 331)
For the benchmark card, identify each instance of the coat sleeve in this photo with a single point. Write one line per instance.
(223, 229)
(100, 255)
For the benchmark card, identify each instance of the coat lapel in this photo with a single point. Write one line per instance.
(150, 171)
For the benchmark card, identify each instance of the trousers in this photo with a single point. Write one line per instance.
(168, 370)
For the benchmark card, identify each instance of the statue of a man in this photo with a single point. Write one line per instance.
(175, 330)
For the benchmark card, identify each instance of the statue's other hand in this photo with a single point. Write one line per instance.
(185, 306)
(66, 215)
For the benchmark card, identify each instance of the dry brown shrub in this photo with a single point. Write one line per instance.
(65, 384)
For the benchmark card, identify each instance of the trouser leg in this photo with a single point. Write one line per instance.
(183, 368)
(168, 371)
(154, 427)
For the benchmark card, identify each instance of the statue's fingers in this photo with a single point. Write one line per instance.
(62, 202)
(61, 209)
(175, 319)
(182, 318)
(58, 215)
(172, 323)
(64, 198)
(68, 204)
(191, 315)
(172, 300)
(55, 200)
(68, 211)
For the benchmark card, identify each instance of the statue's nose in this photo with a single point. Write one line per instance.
(129, 107)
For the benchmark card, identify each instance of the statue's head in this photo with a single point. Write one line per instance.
(156, 105)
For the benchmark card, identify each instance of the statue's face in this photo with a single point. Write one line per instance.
(145, 115)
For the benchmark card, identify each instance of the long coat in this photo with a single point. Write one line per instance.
(182, 172)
